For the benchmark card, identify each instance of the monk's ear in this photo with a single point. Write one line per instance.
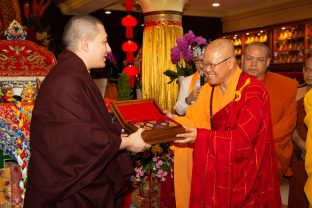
(268, 62)
(232, 62)
(84, 44)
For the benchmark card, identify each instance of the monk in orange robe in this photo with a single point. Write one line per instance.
(255, 61)
(234, 162)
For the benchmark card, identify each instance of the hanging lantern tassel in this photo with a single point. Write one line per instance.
(129, 47)
(130, 58)
(129, 5)
(129, 22)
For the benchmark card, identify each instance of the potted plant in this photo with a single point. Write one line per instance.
(182, 55)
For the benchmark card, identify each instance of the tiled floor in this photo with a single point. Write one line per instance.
(284, 192)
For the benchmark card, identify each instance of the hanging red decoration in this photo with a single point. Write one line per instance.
(130, 47)
(129, 5)
(131, 70)
(129, 22)
(26, 10)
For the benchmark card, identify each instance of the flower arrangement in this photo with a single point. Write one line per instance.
(155, 162)
(182, 55)
(153, 177)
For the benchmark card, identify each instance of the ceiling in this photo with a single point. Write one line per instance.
(192, 7)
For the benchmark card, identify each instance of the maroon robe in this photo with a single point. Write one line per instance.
(234, 163)
(75, 158)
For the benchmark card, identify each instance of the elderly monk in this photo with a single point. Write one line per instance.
(308, 156)
(282, 91)
(233, 164)
(77, 157)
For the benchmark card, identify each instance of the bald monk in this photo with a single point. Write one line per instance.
(282, 92)
(199, 114)
(77, 154)
(233, 164)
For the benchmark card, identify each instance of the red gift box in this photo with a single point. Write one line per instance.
(134, 114)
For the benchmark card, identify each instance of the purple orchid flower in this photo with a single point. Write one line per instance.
(110, 56)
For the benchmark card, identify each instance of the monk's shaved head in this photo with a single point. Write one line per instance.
(219, 62)
(79, 27)
(221, 47)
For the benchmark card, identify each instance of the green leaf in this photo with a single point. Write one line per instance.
(171, 74)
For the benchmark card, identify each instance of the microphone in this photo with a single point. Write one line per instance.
(202, 78)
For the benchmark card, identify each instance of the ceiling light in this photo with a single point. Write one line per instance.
(216, 4)
(108, 12)
(261, 31)
(247, 33)
(283, 28)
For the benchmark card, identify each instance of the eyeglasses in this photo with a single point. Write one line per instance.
(307, 70)
(204, 65)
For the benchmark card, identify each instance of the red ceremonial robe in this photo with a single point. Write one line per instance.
(234, 163)
(75, 158)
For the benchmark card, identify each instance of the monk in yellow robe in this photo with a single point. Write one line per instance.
(282, 92)
(198, 116)
(308, 156)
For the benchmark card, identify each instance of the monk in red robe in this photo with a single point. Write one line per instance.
(77, 157)
(234, 163)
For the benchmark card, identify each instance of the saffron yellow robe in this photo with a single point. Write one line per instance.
(308, 156)
(198, 116)
(282, 92)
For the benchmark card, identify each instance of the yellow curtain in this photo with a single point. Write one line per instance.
(160, 32)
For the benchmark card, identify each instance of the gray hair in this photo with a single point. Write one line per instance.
(79, 27)
(264, 46)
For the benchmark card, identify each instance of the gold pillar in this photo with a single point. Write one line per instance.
(161, 28)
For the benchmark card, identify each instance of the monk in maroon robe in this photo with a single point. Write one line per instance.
(234, 162)
(76, 151)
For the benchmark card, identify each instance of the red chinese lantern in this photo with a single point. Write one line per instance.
(131, 70)
(129, 47)
(129, 22)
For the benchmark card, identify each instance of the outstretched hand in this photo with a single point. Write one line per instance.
(135, 143)
(168, 114)
(189, 136)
